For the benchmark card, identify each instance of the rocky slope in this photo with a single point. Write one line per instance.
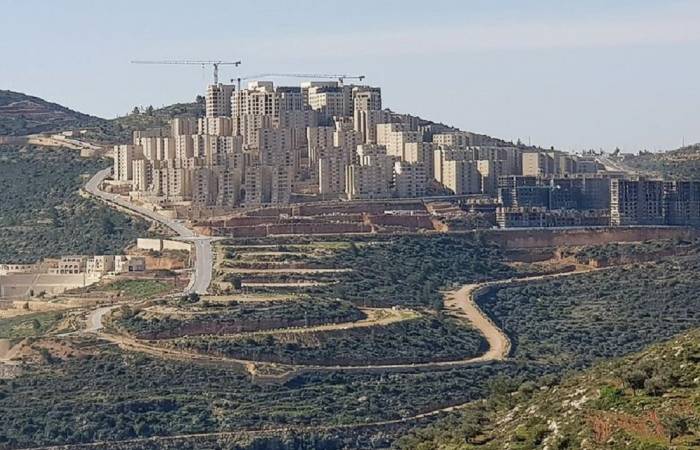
(646, 401)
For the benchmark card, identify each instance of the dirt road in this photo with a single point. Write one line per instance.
(461, 304)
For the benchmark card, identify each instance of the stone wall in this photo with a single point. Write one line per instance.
(20, 285)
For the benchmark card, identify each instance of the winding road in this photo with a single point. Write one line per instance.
(204, 257)
(460, 303)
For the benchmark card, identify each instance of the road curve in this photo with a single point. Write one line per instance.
(461, 301)
(204, 257)
(93, 321)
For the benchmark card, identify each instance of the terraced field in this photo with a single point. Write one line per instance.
(409, 356)
(320, 319)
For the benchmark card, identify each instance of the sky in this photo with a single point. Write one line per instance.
(576, 75)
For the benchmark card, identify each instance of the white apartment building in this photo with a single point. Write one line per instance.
(124, 156)
(442, 155)
(461, 177)
(142, 175)
(268, 185)
(275, 147)
(370, 179)
(181, 126)
(490, 171)
(215, 126)
(331, 101)
(218, 100)
(318, 139)
(409, 179)
(331, 175)
(366, 121)
(366, 98)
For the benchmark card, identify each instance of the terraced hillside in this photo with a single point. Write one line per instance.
(394, 367)
(22, 114)
(316, 314)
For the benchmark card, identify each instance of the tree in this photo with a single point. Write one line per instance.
(634, 380)
(237, 283)
(676, 426)
(654, 386)
(150, 111)
(136, 111)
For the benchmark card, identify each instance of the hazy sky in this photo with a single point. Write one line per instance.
(573, 74)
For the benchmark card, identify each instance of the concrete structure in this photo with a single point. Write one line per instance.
(409, 179)
(636, 202)
(124, 155)
(218, 100)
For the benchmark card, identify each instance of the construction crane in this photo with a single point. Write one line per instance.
(214, 64)
(341, 78)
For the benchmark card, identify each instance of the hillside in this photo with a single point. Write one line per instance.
(22, 114)
(682, 163)
(645, 401)
(42, 213)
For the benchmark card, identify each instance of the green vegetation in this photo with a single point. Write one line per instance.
(120, 130)
(218, 318)
(410, 341)
(139, 289)
(681, 164)
(27, 325)
(404, 271)
(42, 213)
(410, 270)
(575, 320)
(646, 401)
(116, 396)
(22, 114)
(634, 251)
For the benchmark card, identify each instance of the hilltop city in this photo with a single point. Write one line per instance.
(329, 141)
(299, 267)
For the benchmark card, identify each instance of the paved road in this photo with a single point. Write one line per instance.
(204, 257)
(94, 319)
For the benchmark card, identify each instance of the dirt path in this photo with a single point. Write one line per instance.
(375, 317)
(173, 440)
(291, 284)
(460, 304)
(281, 270)
(94, 319)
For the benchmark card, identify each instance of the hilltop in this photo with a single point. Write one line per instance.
(22, 114)
(681, 163)
(644, 401)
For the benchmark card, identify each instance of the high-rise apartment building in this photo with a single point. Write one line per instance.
(461, 177)
(636, 202)
(409, 179)
(218, 100)
(124, 155)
